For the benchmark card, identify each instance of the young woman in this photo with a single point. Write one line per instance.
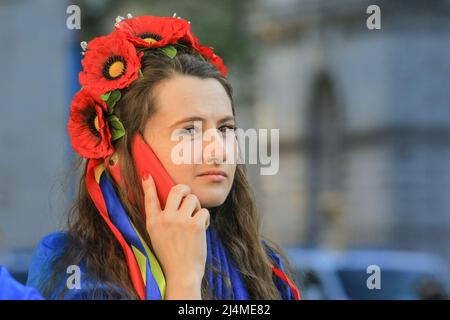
(145, 87)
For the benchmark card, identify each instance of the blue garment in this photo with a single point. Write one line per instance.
(41, 272)
(10, 289)
(217, 256)
(52, 246)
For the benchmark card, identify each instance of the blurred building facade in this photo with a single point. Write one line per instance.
(34, 103)
(364, 118)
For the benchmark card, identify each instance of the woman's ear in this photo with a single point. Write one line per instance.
(112, 165)
(113, 159)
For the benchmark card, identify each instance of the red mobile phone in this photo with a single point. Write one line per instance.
(145, 162)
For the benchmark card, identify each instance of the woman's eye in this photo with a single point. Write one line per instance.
(190, 130)
(227, 127)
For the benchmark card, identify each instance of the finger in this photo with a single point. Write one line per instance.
(202, 216)
(176, 195)
(151, 201)
(189, 205)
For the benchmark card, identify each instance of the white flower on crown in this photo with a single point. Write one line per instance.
(83, 45)
(175, 16)
(118, 20)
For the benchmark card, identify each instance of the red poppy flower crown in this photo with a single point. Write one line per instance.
(113, 62)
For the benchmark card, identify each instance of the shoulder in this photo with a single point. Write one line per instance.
(47, 251)
(72, 281)
(51, 245)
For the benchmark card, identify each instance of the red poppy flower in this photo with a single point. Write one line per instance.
(88, 129)
(189, 38)
(208, 54)
(153, 31)
(110, 63)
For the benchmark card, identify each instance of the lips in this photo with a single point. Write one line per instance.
(214, 173)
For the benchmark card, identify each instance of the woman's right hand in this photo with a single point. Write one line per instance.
(178, 237)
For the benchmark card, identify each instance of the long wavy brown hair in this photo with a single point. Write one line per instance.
(236, 220)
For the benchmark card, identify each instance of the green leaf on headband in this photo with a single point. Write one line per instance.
(115, 127)
(170, 51)
(105, 96)
(112, 100)
(141, 75)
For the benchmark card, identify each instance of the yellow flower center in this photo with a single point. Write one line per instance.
(116, 69)
(96, 125)
(150, 40)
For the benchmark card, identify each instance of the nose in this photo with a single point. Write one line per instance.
(213, 151)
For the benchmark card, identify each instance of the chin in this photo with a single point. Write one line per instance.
(211, 195)
(209, 201)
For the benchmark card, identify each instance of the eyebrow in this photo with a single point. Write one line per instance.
(190, 119)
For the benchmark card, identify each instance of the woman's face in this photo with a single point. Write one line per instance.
(195, 114)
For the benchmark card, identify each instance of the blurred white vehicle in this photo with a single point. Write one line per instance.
(337, 275)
